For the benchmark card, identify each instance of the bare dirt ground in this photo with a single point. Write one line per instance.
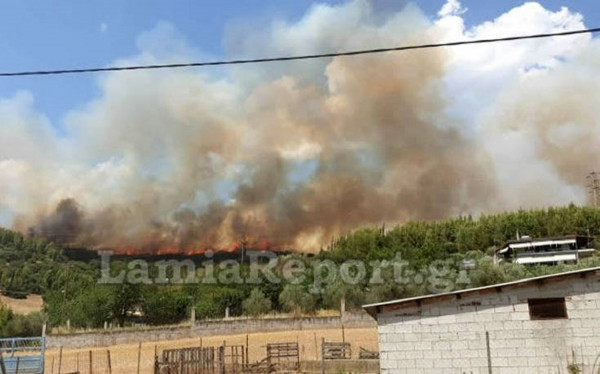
(33, 303)
(124, 357)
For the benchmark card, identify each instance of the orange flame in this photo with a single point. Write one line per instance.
(259, 245)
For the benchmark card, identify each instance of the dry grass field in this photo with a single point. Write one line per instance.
(124, 357)
(33, 303)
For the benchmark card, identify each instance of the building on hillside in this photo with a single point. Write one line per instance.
(546, 251)
(549, 324)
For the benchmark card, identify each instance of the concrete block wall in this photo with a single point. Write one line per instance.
(450, 336)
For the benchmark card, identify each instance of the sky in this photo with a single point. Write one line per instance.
(59, 34)
(295, 153)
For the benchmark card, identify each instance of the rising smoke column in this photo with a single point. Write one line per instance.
(281, 155)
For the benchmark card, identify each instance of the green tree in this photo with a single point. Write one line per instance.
(486, 273)
(125, 297)
(89, 308)
(211, 301)
(24, 325)
(295, 299)
(15, 325)
(256, 304)
(165, 305)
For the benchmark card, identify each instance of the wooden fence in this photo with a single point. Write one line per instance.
(227, 359)
(336, 350)
(283, 357)
(202, 360)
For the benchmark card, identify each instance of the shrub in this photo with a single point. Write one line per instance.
(295, 299)
(212, 302)
(164, 305)
(256, 304)
(19, 325)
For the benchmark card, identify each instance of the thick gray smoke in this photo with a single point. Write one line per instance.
(289, 155)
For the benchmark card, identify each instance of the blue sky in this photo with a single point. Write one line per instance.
(70, 33)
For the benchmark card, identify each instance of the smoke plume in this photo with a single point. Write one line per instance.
(291, 155)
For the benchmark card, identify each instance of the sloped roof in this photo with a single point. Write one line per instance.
(373, 309)
(545, 239)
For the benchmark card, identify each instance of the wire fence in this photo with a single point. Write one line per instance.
(98, 362)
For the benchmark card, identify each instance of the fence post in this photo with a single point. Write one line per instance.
(139, 357)
(323, 356)
(77, 363)
(298, 347)
(2, 367)
(181, 360)
(247, 348)
(17, 368)
(108, 360)
(43, 347)
(60, 359)
(222, 359)
(489, 355)
(91, 369)
(156, 365)
(224, 350)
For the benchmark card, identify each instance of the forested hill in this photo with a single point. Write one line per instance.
(27, 265)
(71, 291)
(423, 242)
(34, 265)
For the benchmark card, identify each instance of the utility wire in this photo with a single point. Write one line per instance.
(293, 58)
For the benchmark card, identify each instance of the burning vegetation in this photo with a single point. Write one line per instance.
(371, 143)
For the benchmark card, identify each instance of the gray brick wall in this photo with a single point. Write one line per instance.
(450, 336)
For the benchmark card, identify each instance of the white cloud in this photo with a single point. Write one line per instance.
(490, 84)
(452, 8)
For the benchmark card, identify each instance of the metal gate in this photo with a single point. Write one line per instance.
(22, 355)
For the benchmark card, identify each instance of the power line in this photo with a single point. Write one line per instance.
(293, 58)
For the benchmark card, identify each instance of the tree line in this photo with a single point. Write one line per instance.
(71, 292)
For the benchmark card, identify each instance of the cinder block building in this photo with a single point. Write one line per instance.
(549, 324)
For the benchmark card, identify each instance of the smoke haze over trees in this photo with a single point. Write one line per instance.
(71, 291)
(294, 155)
